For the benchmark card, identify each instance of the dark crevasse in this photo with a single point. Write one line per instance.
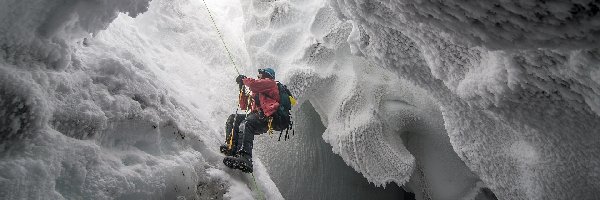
(305, 167)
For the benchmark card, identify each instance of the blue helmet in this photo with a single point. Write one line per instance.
(268, 71)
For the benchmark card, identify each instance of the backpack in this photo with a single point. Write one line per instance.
(283, 116)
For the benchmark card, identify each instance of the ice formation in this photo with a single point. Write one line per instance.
(455, 100)
(449, 99)
(516, 83)
(96, 104)
(376, 121)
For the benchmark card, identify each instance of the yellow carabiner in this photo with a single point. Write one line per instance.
(270, 131)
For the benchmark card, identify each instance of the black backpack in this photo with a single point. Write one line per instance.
(283, 116)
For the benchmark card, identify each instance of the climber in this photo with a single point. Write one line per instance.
(264, 103)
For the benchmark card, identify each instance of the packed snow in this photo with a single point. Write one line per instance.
(123, 99)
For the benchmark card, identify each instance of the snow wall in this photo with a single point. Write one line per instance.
(453, 100)
(124, 100)
(304, 167)
(97, 104)
(383, 126)
(516, 84)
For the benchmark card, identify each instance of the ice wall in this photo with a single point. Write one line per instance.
(386, 128)
(96, 104)
(288, 36)
(304, 167)
(501, 96)
(517, 84)
(34, 30)
(451, 99)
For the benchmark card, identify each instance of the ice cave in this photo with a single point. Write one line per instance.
(397, 99)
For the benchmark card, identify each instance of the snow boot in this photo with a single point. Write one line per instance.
(243, 162)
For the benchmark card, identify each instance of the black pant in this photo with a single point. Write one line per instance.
(244, 131)
(232, 129)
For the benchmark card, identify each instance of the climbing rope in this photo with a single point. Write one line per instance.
(230, 145)
(221, 37)
(230, 139)
(260, 194)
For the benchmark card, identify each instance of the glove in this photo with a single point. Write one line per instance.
(239, 79)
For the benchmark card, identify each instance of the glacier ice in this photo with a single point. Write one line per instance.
(507, 92)
(304, 166)
(378, 123)
(450, 100)
(518, 104)
(97, 104)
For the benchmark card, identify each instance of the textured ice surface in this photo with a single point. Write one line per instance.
(304, 167)
(34, 30)
(386, 128)
(517, 87)
(510, 87)
(289, 37)
(452, 99)
(125, 114)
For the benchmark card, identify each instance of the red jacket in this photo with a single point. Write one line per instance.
(268, 95)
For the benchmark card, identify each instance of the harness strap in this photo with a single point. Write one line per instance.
(230, 146)
(286, 134)
(280, 132)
